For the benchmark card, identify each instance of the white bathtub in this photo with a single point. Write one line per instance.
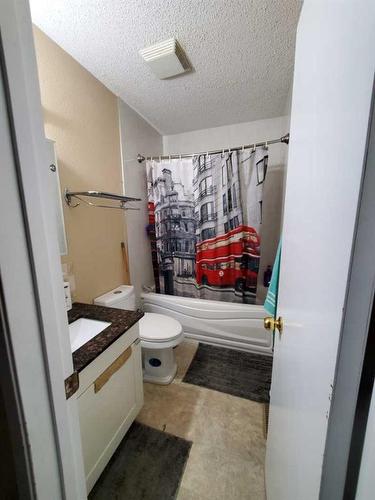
(239, 326)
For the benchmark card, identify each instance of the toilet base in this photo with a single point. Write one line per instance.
(159, 365)
(159, 380)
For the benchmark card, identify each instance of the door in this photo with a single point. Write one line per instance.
(332, 89)
(35, 357)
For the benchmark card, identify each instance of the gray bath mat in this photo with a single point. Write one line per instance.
(147, 465)
(237, 373)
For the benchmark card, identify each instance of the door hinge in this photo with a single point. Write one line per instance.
(71, 384)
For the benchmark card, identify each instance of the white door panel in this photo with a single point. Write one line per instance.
(332, 91)
(51, 421)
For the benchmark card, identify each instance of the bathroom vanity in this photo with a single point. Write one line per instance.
(107, 356)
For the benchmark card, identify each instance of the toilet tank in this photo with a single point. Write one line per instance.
(122, 297)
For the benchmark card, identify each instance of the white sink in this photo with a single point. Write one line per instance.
(82, 330)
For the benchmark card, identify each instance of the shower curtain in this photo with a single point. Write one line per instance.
(205, 216)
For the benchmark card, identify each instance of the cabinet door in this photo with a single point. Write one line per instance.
(106, 415)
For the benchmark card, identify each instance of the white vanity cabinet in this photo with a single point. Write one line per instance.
(109, 398)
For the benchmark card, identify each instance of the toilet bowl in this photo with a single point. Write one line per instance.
(159, 334)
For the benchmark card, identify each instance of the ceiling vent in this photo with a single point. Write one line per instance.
(166, 59)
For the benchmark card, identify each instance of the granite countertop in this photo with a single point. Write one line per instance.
(120, 320)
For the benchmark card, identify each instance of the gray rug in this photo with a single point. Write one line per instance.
(147, 465)
(237, 373)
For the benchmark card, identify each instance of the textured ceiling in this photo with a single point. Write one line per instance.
(241, 51)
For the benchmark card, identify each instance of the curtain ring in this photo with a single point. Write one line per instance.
(254, 147)
(160, 158)
(169, 158)
(243, 148)
(266, 145)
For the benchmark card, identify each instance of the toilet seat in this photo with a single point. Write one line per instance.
(159, 331)
(159, 328)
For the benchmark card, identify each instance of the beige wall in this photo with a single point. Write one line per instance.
(81, 116)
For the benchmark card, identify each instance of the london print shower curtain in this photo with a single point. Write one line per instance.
(205, 217)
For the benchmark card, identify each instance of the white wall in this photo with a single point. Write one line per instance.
(229, 136)
(284, 157)
(237, 135)
(137, 136)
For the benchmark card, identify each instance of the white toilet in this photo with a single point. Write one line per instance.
(159, 334)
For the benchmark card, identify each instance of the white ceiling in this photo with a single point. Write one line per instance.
(241, 50)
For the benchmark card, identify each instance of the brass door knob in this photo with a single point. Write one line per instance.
(270, 323)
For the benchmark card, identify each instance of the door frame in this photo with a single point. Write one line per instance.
(345, 433)
(38, 355)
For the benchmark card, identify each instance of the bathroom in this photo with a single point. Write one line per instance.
(184, 244)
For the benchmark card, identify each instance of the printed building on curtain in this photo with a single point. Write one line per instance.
(216, 195)
(208, 214)
(174, 226)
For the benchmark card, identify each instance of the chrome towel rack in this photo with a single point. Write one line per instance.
(68, 195)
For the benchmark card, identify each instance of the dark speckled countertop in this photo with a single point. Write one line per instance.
(120, 320)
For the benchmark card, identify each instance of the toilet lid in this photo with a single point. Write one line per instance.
(158, 327)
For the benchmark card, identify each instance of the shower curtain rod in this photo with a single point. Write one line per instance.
(284, 139)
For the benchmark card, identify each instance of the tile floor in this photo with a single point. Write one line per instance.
(226, 460)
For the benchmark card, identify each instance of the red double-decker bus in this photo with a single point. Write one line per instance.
(229, 260)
